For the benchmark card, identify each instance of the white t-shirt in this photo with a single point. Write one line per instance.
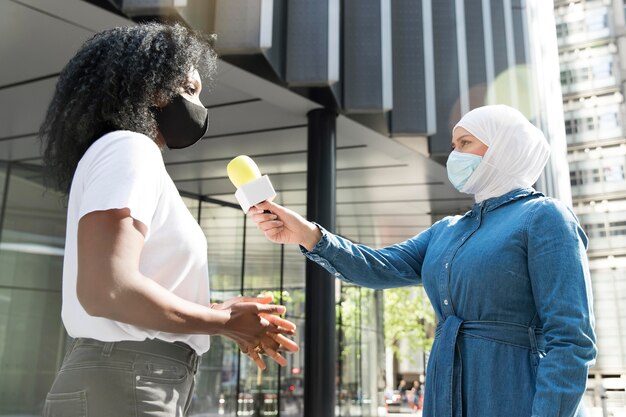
(125, 169)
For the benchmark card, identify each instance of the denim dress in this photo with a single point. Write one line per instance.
(510, 286)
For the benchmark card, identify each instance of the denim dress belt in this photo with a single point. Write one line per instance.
(446, 381)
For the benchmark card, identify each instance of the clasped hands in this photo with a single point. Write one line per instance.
(256, 327)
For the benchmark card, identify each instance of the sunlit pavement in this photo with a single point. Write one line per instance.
(404, 412)
(613, 412)
(591, 412)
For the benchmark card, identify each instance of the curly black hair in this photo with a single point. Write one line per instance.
(113, 83)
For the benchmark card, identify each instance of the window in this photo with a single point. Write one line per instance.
(604, 229)
(608, 120)
(583, 74)
(617, 228)
(611, 172)
(603, 120)
(571, 126)
(596, 22)
(594, 175)
(614, 173)
(576, 27)
(228, 382)
(601, 70)
(567, 77)
(595, 229)
(32, 340)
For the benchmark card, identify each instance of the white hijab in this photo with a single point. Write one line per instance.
(517, 152)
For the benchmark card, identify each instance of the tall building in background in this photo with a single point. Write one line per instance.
(592, 51)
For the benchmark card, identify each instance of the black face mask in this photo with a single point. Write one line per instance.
(182, 123)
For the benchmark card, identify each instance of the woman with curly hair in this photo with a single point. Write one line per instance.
(135, 273)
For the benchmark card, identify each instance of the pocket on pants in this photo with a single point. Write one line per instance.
(67, 404)
(161, 387)
(160, 371)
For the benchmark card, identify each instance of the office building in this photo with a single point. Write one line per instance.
(592, 52)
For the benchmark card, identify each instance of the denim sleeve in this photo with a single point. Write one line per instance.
(559, 274)
(398, 265)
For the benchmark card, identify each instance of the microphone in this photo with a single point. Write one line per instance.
(252, 187)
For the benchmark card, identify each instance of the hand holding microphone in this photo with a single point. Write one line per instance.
(279, 224)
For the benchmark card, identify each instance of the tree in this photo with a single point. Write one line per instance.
(407, 314)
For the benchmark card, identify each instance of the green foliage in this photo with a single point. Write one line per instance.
(407, 314)
(284, 298)
(350, 317)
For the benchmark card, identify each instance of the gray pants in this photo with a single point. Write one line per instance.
(123, 379)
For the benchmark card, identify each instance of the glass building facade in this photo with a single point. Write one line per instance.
(32, 337)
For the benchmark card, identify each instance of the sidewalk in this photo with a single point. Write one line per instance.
(404, 412)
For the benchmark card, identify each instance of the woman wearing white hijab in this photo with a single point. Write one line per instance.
(509, 280)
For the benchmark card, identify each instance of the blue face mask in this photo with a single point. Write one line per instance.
(460, 167)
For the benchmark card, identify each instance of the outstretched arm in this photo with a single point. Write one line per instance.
(394, 266)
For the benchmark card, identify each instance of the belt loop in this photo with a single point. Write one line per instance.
(196, 362)
(533, 340)
(72, 345)
(106, 350)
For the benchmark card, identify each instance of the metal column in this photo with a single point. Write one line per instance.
(320, 356)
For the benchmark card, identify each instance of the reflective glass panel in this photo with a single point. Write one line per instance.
(32, 339)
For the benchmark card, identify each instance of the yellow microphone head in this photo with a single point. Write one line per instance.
(241, 170)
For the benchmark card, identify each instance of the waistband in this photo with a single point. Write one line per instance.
(177, 351)
(501, 332)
